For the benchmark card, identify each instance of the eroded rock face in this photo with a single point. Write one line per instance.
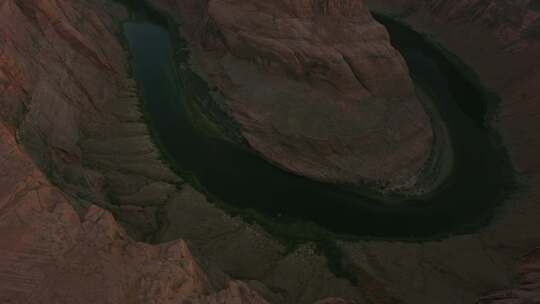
(64, 98)
(527, 286)
(315, 85)
(73, 138)
(513, 22)
(60, 92)
(49, 251)
(492, 37)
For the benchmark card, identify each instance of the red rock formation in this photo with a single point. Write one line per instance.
(499, 40)
(333, 301)
(72, 138)
(63, 75)
(63, 83)
(50, 252)
(496, 39)
(527, 287)
(315, 85)
(514, 22)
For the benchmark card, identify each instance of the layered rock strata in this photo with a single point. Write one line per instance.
(72, 139)
(526, 288)
(64, 91)
(52, 250)
(315, 86)
(66, 103)
(496, 39)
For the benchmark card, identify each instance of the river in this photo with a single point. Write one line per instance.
(242, 180)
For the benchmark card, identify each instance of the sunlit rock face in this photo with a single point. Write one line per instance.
(315, 85)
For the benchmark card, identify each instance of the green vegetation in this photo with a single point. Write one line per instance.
(202, 122)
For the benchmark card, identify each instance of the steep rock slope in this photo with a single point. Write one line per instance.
(526, 289)
(70, 112)
(454, 269)
(52, 252)
(64, 90)
(496, 39)
(315, 85)
(81, 155)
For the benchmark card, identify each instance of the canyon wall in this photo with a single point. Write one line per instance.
(526, 288)
(72, 138)
(51, 251)
(499, 40)
(65, 96)
(316, 87)
(496, 45)
(82, 183)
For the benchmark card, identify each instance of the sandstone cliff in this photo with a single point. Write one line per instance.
(63, 74)
(526, 288)
(315, 85)
(74, 150)
(71, 136)
(72, 139)
(499, 40)
(51, 251)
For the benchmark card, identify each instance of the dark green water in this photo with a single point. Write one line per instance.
(242, 180)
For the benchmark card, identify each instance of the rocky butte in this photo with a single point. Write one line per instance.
(89, 213)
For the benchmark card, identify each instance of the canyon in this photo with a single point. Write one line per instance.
(364, 124)
(90, 211)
